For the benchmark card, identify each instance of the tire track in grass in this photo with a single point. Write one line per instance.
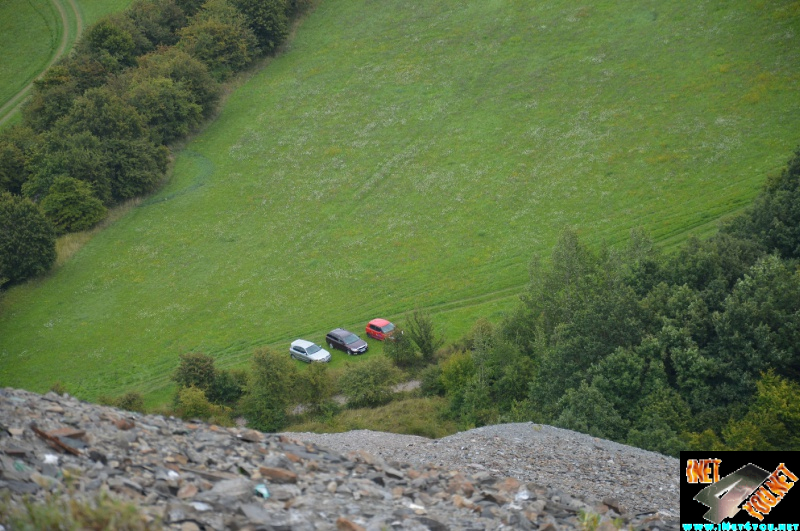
(15, 102)
(235, 354)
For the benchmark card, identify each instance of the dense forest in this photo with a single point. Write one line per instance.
(96, 131)
(696, 349)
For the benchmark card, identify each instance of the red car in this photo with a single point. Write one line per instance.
(380, 329)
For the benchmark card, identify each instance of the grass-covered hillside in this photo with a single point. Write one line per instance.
(417, 154)
(33, 34)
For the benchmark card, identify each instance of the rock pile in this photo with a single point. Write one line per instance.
(574, 462)
(192, 476)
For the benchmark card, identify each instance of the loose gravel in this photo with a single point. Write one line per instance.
(596, 468)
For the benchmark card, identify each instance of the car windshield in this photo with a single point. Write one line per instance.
(352, 338)
(313, 349)
(387, 328)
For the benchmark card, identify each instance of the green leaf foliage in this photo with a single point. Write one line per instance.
(137, 166)
(104, 114)
(422, 332)
(655, 350)
(369, 383)
(166, 108)
(111, 43)
(17, 147)
(71, 206)
(158, 21)
(27, 239)
(270, 387)
(774, 218)
(400, 349)
(269, 20)
(195, 370)
(218, 35)
(315, 387)
(185, 71)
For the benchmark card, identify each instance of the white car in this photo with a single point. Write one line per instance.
(307, 351)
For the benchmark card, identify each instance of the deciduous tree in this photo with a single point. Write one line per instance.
(71, 206)
(27, 239)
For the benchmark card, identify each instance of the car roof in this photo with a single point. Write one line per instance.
(301, 343)
(379, 322)
(341, 332)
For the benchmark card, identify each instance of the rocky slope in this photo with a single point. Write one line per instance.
(194, 476)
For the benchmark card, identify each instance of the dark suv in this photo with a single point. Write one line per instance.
(347, 341)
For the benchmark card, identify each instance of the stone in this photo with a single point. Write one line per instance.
(187, 490)
(228, 491)
(462, 502)
(196, 476)
(278, 475)
(14, 450)
(508, 485)
(613, 503)
(255, 513)
(431, 524)
(251, 436)
(67, 432)
(343, 524)
(124, 424)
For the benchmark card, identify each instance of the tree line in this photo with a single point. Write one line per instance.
(695, 349)
(97, 128)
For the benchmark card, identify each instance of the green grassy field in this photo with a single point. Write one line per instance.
(35, 32)
(403, 155)
(31, 32)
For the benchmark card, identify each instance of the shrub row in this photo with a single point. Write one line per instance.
(96, 128)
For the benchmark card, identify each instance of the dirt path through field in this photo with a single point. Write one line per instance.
(15, 102)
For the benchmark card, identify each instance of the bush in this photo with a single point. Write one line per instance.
(193, 404)
(431, 381)
(157, 21)
(457, 371)
(111, 43)
(166, 107)
(400, 349)
(421, 330)
(79, 155)
(218, 35)
(58, 387)
(186, 71)
(17, 145)
(27, 239)
(227, 387)
(131, 401)
(72, 206)
(268, 19)
(195, 370)
(315, 387)
(270, 387)
(369, 383)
